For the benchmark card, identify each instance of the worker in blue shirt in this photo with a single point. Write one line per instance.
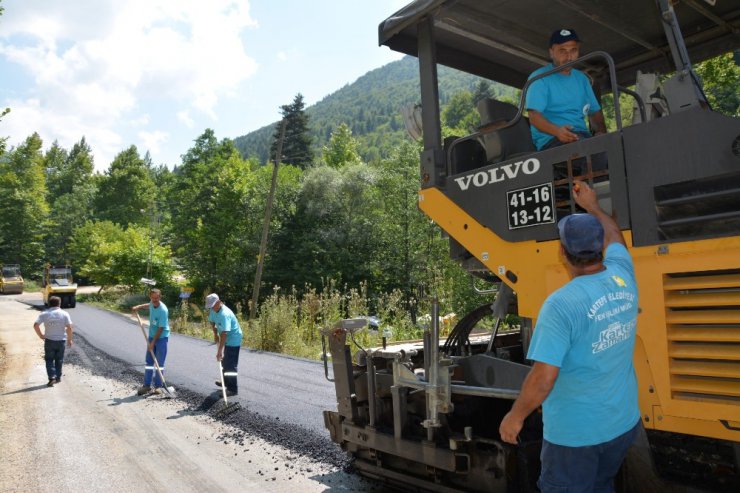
(558, 103)
(159, 333)
(228, 335)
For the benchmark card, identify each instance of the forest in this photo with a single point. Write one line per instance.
(345, 235)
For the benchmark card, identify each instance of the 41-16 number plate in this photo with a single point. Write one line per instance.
(530, 206)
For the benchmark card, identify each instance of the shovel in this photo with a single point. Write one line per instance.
(169, 391)
(228, 408)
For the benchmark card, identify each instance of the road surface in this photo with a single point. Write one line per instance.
(91, 433)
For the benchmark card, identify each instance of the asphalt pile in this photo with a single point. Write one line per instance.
(243, 425)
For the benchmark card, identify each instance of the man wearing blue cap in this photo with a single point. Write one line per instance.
(582, 350)
(558, 103)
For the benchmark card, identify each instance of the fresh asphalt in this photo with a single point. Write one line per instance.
(289, 390)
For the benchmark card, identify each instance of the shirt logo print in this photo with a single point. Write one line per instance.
(614, 334)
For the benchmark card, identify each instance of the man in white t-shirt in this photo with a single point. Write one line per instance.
(57, 331)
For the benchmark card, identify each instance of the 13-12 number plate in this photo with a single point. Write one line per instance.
(530, 206)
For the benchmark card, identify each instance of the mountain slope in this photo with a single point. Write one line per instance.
(370, 106)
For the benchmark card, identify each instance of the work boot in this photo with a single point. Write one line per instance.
(51, 382)
(58, 380)
(157, 390)
(145, 389)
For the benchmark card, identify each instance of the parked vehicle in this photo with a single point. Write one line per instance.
(58, 281)
(11, 281)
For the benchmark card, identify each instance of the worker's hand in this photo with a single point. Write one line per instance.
(585, 196)
(135, 308)
(219, 356)
(69, 343)
(564, 135)
(151, 346)
(510, 428)
(41, 336)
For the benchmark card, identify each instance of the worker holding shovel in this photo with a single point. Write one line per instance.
(159, 333)
(228, 335)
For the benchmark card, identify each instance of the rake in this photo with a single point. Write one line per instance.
(169, 392)
(228, 408)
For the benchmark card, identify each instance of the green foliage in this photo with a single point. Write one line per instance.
(721, 79)
(23, 208)
(213, 233)
(71, 188)
(126, 193)
(109, 255)
(342, 148)
(371, 107)
(296, 147)
(460, 114)
(331, 234)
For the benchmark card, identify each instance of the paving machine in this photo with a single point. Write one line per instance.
(11, 281)
(58, 281)
(426, 416)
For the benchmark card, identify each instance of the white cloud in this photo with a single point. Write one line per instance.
(95, 63)
(282, 56)
(152, 140)
(184, 117)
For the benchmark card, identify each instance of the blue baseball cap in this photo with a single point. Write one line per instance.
(581, 235)
(563, 36)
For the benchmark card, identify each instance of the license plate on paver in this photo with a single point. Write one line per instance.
(530, 206)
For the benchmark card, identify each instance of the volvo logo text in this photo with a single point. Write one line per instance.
(499, 173)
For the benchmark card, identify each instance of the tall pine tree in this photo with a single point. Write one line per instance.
(297, 142)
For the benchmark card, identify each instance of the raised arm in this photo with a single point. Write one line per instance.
(585, 196)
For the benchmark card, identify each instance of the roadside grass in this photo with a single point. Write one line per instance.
(31, 286)
(291, 322)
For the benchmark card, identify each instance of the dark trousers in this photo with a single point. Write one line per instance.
(54, 356)
(230, 364)
(589, 469)
(160, 352)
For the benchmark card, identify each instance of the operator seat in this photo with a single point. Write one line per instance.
(503, 143)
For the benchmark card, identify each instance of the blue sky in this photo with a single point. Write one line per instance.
(156, 73)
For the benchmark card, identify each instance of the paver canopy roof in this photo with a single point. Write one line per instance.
(505, 40)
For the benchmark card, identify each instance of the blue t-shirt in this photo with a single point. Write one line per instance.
(226, 321)
(587, 329)
(562, 99)
(159, 317)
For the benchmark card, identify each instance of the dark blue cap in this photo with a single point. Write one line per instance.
(581, 235)
(563, 36)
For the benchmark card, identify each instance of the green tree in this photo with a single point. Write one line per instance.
(332, 234)
(297, 148)
(213, 233)
(110, 255)
(23, 207)
(460, 114)
(126, 192)
(342, 148)
(71, 188)
(482, 90)
(721, 79)
(66, 170)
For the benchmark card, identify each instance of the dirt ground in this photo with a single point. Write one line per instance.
(91, 433)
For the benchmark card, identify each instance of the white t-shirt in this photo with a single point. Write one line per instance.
(55, 321)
